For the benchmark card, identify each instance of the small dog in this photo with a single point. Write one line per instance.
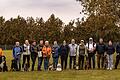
(59, 67)
(87, 63)
(105, 62)
(50, 68)
(26, 68)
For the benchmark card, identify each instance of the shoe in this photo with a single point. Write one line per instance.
(110, 68)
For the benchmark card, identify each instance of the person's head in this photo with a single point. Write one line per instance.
(101, 40)
(17, 43)
(90, 40)
(41, 42)
(34, 43)
(82, 42)
(46, 43)
(73, 41)
(110, 42)
(64, 42)
(26, 42)
(55, 42)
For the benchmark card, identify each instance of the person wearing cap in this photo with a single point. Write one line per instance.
(81, 50)
(118, 55)
(55, 54)
(46, 50)
(17, 50)
(110, 51)
(100, 49)
(40, 54)
(91, 50)
(34, 54)
(64, 50)
(73, 52)
(26, 54)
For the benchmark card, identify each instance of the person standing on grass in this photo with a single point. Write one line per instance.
(17, 50)
(118, 55)
(34, 54)
(46, 54)
(73, 51)
(100, 49)
(91, 47)
(81, 49)
(64, 50)
(40, 54)
(110, 51)
(26, 54)
(55, 54)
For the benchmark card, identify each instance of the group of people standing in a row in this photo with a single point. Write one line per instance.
(84, 52)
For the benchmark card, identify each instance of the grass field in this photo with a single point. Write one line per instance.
(64, 75)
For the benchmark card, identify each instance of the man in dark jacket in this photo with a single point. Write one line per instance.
(34, 54)
(40, 54)
(64, 50)
(118, 55)
(100, 48)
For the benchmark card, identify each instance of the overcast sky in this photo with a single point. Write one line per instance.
(64, 9)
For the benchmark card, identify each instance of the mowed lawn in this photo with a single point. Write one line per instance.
(54, 75)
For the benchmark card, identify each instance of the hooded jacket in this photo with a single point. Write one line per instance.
(55, 51)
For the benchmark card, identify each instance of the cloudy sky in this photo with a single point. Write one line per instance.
(64, 9)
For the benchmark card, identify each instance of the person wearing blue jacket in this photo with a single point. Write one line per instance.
(55, 54)
(110, 51)
(17, 50)
(118, 55)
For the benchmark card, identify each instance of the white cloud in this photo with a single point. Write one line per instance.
(64, 9)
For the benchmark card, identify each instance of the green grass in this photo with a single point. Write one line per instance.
(64, 75)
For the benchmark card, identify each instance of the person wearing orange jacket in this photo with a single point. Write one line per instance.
(46, 54)
(1, 52)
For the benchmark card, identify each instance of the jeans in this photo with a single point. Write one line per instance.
(40, 59)
(91, 56)
(24, 60)
(64, 62)
(55, 62)
(110, 61)
(18, 59)
(33, 57)
(46, 63)
(72, 61)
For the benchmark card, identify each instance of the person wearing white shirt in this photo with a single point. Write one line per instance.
(91, 47)
(73, 51)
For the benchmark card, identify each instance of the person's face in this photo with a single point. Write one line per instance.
(64, 42)
(101, 40)
(17, 43)
(82, 43)
(73, 41)
(110, 43)
(26, 42)
(47, 43)
(91, 41)
(55, 42)
(34, 43)
(41, 42)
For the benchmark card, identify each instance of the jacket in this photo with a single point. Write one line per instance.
(55, 51)
(64, 50)
(1, 52)
(17, 50)
(26, 49)
(100, 48)
(110, 49)
(46, 51)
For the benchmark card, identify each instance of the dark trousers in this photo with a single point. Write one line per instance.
(117, 61)
(91, 56)
(64, 62)
(33, 58)
(55, 62)
(81, 61)
(72, 62)
(100, 57)
(26, 57)
(40, 60)
(46, 63)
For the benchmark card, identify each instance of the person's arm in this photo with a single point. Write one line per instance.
(13, 52)
(78, 50)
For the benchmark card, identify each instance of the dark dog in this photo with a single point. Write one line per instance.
(26, 68)
(14, 66)
(3, 66)
(87, 63)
